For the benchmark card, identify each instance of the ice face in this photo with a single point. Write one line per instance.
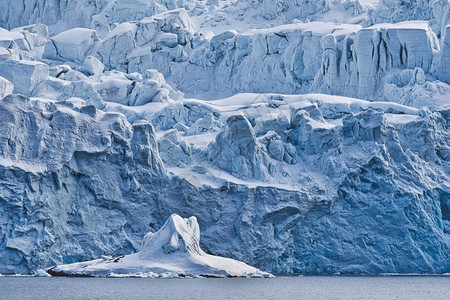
(92, 66)
(64, 15)
(393, 11)
(71, 45)
(236, 151)
(102, 143)
(294, 9)
(25, 75)
(444, 62)
(6, 87)
(361, 149)
(312, 57)
(23, 43)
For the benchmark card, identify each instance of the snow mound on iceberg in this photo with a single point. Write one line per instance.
(173, 251)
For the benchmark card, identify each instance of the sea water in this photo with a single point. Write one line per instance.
(306, 287)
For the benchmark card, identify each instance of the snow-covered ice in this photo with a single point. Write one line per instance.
(173, 251)
(25, 75)
(6, 87)
(307, 137)
(71, 45)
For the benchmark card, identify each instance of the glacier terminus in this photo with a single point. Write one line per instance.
(305, 137)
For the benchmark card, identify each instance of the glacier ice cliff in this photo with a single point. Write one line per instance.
(61, 15)
(367, 193)
(444, 62)
(340, 59)
(307, 147)
(298, 58)
(393, 11)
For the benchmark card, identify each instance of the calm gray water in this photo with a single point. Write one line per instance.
(395, 287)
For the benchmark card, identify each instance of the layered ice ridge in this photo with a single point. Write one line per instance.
(345, 185)
(311, 57)
(61, 15)
(330, 58)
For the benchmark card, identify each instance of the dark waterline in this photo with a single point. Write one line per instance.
(322, 287)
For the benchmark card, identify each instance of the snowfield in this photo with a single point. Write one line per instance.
(305, 136)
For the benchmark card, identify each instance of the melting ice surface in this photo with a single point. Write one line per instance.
(173, 251)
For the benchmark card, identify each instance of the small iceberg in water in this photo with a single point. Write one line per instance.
(41, 273)
(173, 251)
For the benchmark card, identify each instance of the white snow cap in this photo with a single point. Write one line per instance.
(177, 234)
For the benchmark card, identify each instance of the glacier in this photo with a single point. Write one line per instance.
(305, 137)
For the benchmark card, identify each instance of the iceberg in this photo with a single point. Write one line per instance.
(173, 251)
